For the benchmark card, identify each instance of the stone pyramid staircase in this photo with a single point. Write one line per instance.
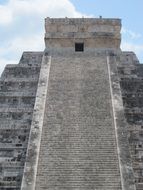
(78, 145)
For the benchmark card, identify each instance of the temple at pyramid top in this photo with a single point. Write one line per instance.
(82, 34)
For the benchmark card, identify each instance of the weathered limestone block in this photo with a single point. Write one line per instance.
(95, 33)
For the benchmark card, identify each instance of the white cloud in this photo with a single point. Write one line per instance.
(127, 46)
(133, 35)
(28, 43)
(42, 8)
(22, 25)
(136, 48)
(132, 42)
(16, 46)
(5, 15)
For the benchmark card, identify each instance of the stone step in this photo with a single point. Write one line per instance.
(9, 147)
(18, 71)
(129, 94)
(14, 125)
(126, 72)
(75, 179)
(18, 139)
(23, 66)
(13, 164)
(115, 186)
(22, 117)
(89, 187)
(17, 94)
(130, 77)
(75, 170)
(22, 120)
(16, 110)
(31, 58)
(19, 80)
(133, 102)
(18, 86)
(17, 102)
(11, 187)
(134, 110)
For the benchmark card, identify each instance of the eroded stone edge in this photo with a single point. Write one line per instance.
(31, 164)
(126, 170)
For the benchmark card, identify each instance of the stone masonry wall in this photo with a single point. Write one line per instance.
(94, 32)
(18, 86)
(131, 82)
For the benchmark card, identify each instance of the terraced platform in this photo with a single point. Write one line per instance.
(18, 86)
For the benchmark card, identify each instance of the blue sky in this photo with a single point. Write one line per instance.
(22, 23)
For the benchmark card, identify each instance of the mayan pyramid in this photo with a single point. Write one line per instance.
(71, 117)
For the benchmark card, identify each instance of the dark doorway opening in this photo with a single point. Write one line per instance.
(79, 46)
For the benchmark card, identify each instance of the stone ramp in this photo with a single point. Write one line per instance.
(78, 144)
